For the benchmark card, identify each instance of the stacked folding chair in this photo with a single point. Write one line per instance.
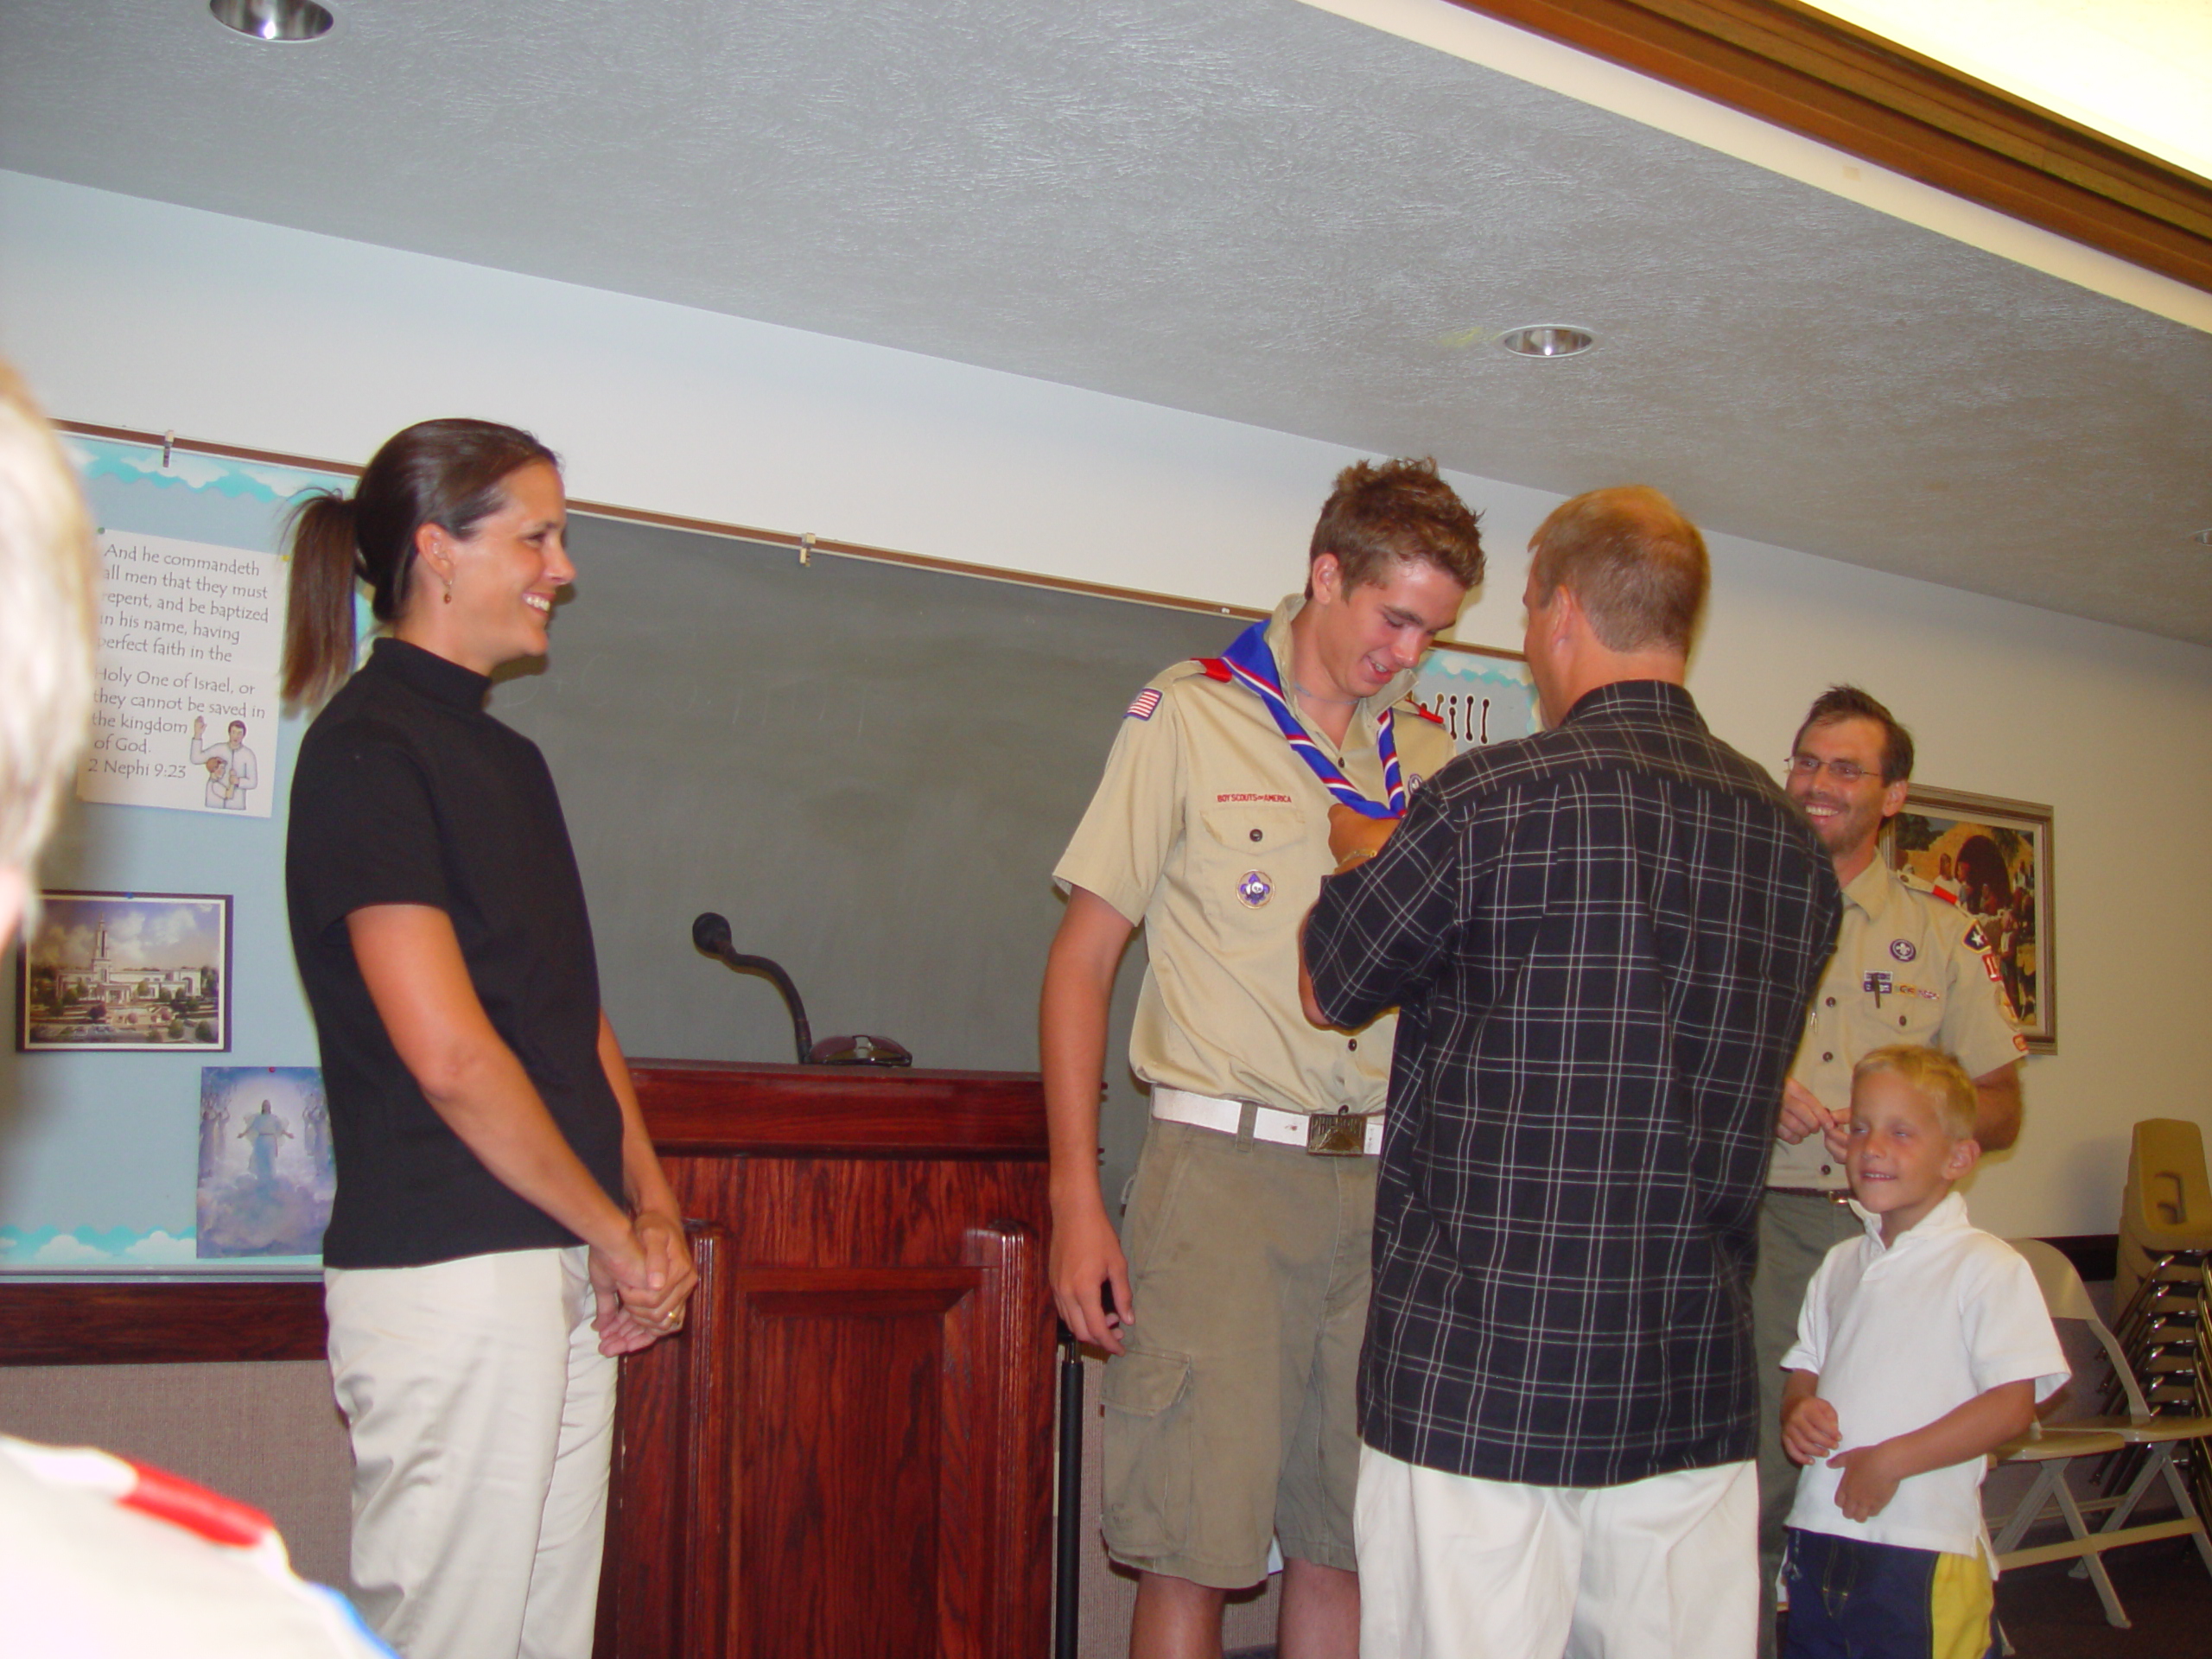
(2165, 1223)
(2149, 1448)
(2201, 1469)
(2165, 1238)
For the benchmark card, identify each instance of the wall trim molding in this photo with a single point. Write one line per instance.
(1827, 79)
(161, 1322)
(186, 1322)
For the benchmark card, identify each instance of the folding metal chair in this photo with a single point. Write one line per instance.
(2057, 1448)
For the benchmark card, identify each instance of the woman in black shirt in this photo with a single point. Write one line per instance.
(501, 1228)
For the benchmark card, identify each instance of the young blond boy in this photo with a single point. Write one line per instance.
(1920, 1347)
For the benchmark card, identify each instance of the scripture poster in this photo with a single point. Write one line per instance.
(1480, 698)
(185, 714)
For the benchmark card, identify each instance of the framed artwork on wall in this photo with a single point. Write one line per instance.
(1993, 859)
(111, 971)
(266, 1170)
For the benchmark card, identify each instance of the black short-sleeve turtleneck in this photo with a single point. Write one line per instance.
(407, 792)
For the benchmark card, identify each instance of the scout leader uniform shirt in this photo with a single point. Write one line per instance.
(1907, 968)
(1212, 832)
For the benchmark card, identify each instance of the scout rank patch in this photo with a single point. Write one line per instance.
(1254, 888)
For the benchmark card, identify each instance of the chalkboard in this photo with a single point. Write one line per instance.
(870, 769)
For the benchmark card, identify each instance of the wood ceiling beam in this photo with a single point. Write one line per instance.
(1817, 75)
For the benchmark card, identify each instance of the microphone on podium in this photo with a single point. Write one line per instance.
(710, 935)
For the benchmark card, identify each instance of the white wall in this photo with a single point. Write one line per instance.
(133, 314)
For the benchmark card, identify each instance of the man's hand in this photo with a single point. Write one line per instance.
(1871, 1474)
(1809, 1429)
(1086, 1257)
(1803, 1114)
(1351, 832)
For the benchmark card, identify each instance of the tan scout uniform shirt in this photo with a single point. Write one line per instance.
(1210, 831)
(1904, 971)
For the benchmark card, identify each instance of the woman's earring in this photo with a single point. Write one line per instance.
(449, 590)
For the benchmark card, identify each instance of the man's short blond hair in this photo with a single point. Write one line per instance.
(48, 581)
(1636, 566)
(1939, 1079)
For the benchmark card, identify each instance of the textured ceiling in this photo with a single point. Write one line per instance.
(1248, 208)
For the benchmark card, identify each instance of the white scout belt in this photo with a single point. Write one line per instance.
(1336, 1135)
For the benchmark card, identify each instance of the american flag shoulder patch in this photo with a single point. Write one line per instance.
(1147, 701)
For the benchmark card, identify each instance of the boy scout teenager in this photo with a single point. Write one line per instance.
(1909, 967)
(1235, 1314)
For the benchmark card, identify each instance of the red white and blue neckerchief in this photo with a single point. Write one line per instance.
(1249, 662)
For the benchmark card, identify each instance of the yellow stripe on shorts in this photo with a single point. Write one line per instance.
(1959, 1597)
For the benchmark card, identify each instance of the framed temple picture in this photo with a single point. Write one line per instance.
(1991, 858)
(126, 971)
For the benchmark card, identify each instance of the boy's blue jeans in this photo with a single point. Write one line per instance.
(1851, 1600)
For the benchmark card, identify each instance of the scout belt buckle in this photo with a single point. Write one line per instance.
(1337, 1134)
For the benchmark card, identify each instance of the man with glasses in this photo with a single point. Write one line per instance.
(1909, 967)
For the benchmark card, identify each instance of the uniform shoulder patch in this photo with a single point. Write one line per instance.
(1146, 702)
(1975, 940)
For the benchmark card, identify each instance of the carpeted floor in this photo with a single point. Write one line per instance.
(2163, 1586)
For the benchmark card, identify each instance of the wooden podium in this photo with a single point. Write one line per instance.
(849, 1451)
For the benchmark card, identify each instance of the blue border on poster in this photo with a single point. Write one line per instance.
(100, 1152)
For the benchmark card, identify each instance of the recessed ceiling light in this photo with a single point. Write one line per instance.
(273, 19)
(1548, 339)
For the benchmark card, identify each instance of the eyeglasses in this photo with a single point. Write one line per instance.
(1808, 766)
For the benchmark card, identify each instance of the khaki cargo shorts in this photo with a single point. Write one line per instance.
(1232, 1415)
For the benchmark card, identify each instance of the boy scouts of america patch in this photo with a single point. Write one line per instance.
(1147, 701)
(1903, 949)
(1254, 889)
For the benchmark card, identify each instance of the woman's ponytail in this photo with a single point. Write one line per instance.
(318, 611)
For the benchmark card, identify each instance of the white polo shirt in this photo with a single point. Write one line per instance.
(1900, 1336)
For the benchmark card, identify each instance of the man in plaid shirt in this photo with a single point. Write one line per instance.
(1602, 940)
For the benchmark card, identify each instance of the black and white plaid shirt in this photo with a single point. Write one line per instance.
(1603, 940)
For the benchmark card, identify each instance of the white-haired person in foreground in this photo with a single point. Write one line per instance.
(101, 1558)
(46, 637)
